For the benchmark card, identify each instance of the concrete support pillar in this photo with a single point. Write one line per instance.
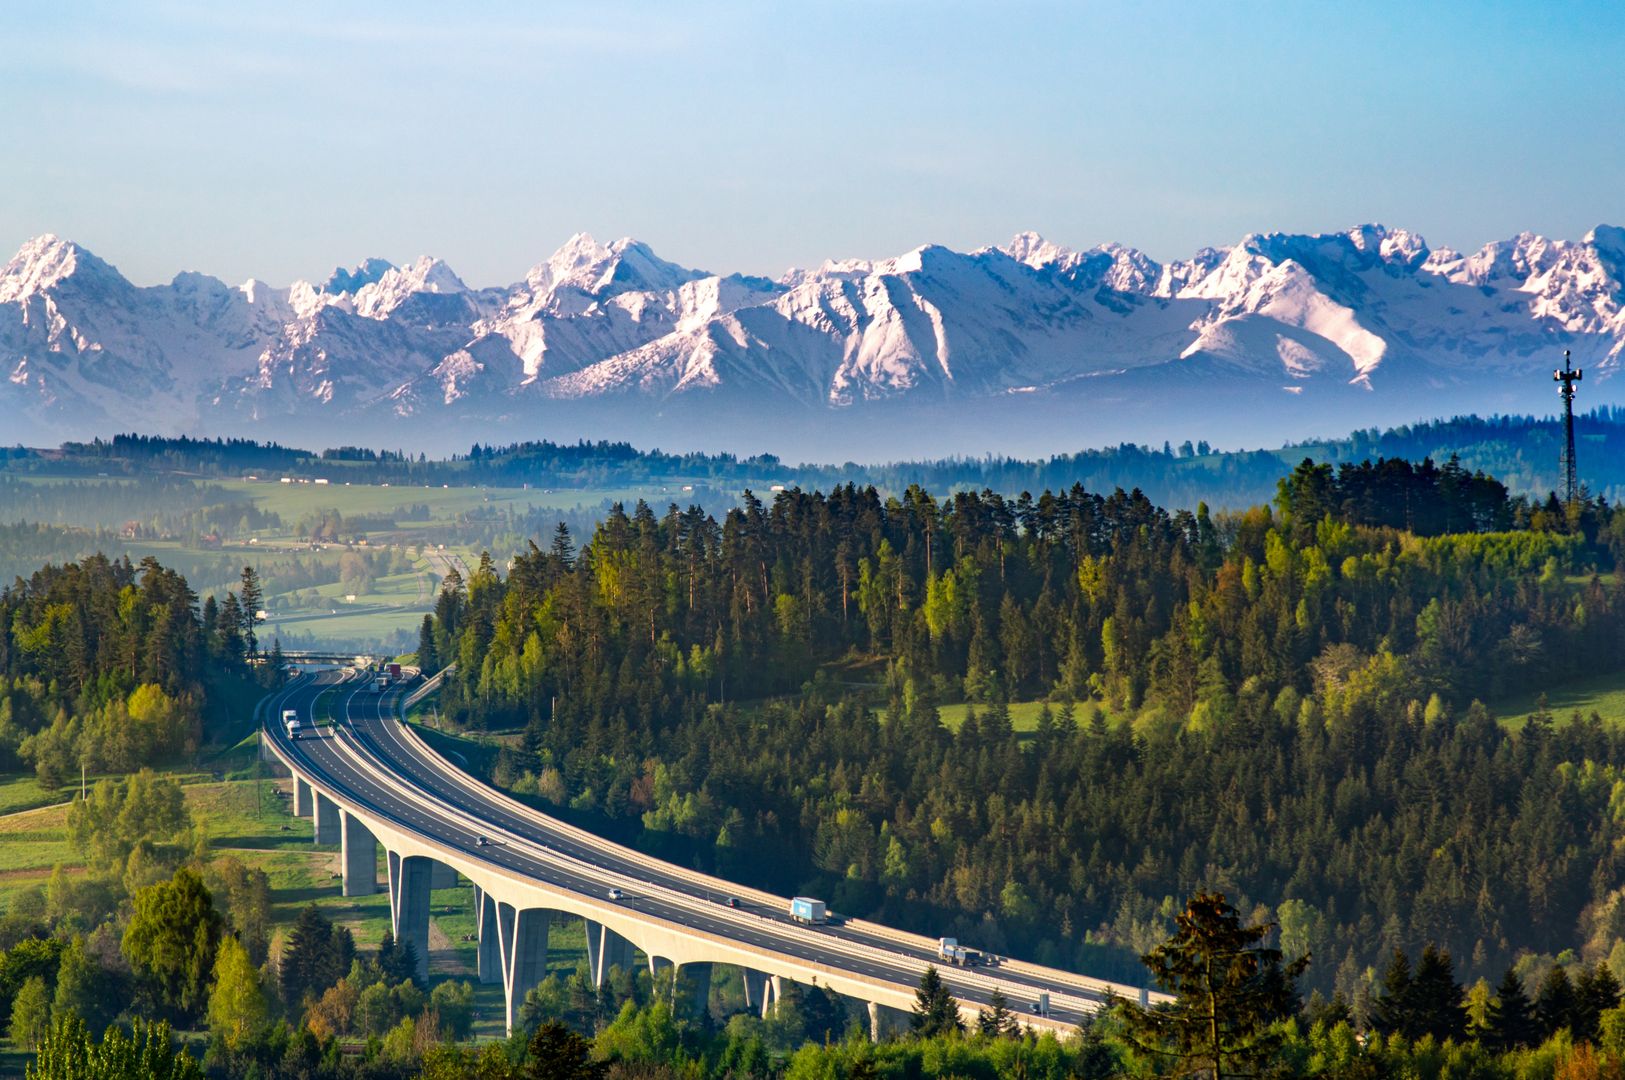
(691, 990)
(772, 995)
(490, 948)
(606, 949)
(883, 1020)
(445, 877)
(359, 856)
(327, 820)
(301, 797)
(523, 933)
(755, 988)
(409, 904)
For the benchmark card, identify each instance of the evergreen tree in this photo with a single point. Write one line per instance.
(936, 1012)
(318, 954)
(231, 628)
(398, 960)
(1226, 997)
(427, 660)
(274, 672)
(251, 598)
(997, 1021)
(1554, 1003)
(563, 549)
(1394, 1012)
(1511, 1016)
(1437, 998)
(211, 615)
(557, 1053)
(1595, 992)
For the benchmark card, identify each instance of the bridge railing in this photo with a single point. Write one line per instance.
(429, 686)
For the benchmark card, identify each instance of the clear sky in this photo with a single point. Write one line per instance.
(281, 140)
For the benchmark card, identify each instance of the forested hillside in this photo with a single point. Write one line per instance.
(1279, 702)
(106, 665)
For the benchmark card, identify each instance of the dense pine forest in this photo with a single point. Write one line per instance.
(1282, 703)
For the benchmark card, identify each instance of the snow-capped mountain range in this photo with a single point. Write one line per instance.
(1028, 347)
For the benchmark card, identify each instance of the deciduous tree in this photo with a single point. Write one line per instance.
(172, 939)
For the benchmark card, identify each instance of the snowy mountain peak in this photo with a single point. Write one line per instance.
(1036, 252)
(399, 284)
(584, 264)
(342, 281)
(48, 260)
(1608, 241)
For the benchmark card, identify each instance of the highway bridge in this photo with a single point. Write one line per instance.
(369, 781)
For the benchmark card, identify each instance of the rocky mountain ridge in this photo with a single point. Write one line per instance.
(1369, 324)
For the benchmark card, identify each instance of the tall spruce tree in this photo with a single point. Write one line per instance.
(1437, 998)
(997, 1021)
(1596, 990)
(428, 661)
(935, 1010)
(251, 597)
(1228, 989)
(1394, 1012)
(563, 549)
(318, 954)
(1554, 1003)
(1511, 1016)
(398, 960)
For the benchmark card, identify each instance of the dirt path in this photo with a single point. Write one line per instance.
(443, 954)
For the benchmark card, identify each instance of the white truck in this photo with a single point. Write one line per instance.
(804, 909)
(290, 720)
(950, 950)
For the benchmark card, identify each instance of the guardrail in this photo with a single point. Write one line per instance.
(429, 687)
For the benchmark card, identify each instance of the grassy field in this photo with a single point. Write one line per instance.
(26, 793)
(1602, 694)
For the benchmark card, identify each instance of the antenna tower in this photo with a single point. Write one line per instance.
(1568, 377)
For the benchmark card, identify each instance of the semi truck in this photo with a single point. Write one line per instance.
(950, 950)
(804, 909)
(290, 720)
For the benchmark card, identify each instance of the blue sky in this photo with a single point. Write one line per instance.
(281, 140)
